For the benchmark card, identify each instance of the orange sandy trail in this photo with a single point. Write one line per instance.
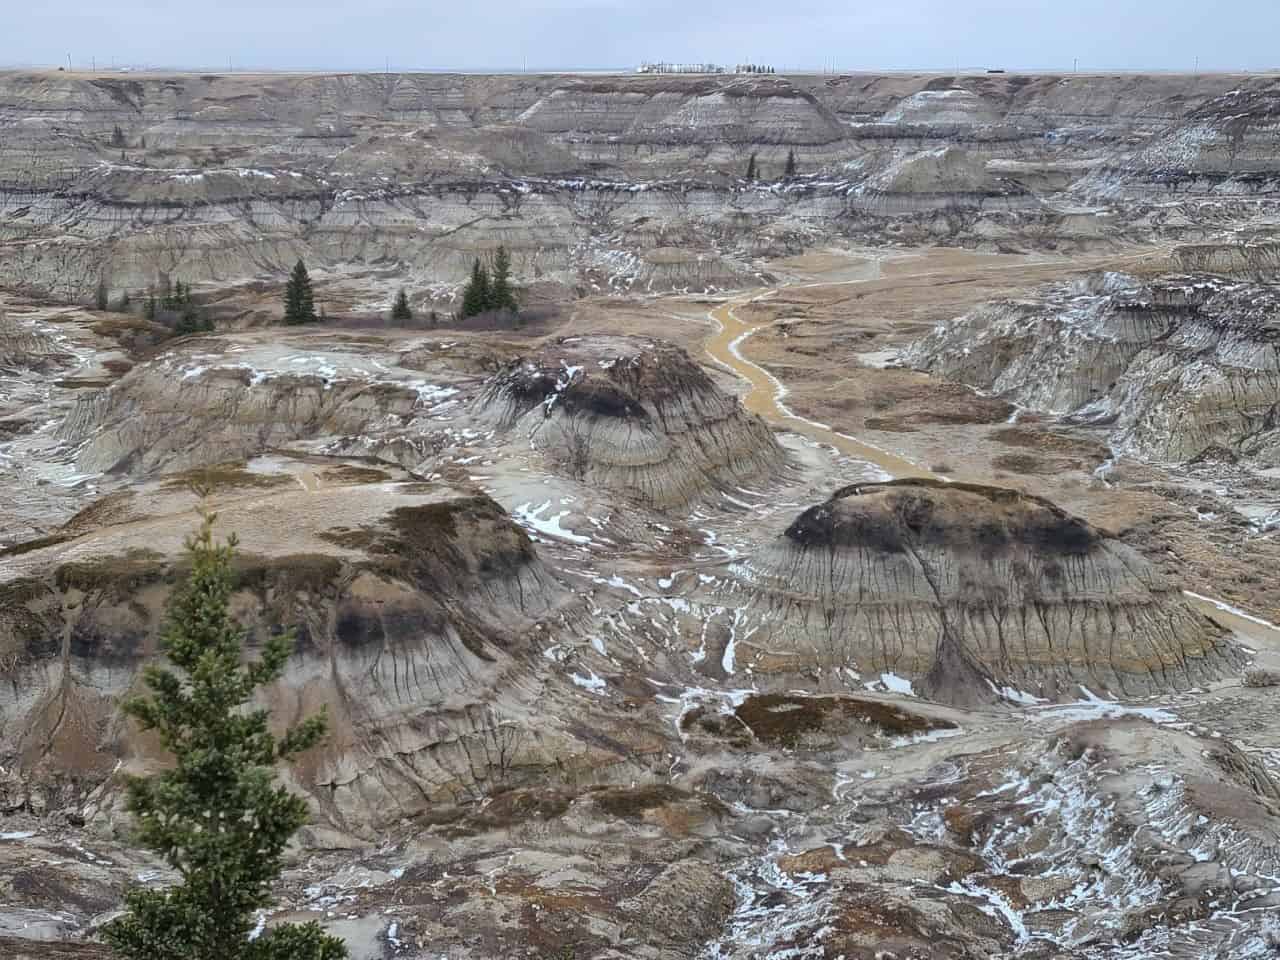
(766, 392)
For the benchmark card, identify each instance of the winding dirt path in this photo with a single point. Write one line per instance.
(766, 394)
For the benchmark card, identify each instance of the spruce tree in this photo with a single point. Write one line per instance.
(189, 318)
(400, 310)
(117, 137)
(173, 295)
(475, 299)
(101, 296)
(501, 295)
(215, 816)
(791, 164)
(299, 301)
(751, 167)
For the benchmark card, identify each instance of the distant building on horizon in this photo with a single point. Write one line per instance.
(702, 68)
(680, 68)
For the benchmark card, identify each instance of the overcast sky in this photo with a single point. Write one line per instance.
(508, 34)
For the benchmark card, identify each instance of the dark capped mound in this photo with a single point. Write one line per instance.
(909, 514)
(632, 414)
(972, 592)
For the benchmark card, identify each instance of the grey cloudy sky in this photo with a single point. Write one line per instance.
(493, 34)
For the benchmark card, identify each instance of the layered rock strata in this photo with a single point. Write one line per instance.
(411, 613)
(970, 591)
(1171, 367)
(633, 415)
(214, 401)
(227, 178)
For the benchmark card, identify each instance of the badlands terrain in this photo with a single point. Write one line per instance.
(877, 562)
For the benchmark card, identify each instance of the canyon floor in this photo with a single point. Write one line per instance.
(900, 584)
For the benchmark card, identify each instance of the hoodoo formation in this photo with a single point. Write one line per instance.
(754, 516)
(635, 416)
(973, 592)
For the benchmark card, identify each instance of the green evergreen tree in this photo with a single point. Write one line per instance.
(117, 137)
(215, 816)
(299, 301)
(125, 302)
(476, 297)
(101, 296)
(400, 310)
(189, 318)
(791, 164)
(433, 319)
(501, 294)
(751, 168)
(174, 294)
(151, 307)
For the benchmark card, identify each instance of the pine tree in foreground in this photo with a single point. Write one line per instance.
(299, 300)
(101, 295)
(751, 168)
(400, 310)
(791, 164)
(215, 816)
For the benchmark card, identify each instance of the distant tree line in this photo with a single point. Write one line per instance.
(171, 305)
(490, 290)
(168, 303)
(753, 168)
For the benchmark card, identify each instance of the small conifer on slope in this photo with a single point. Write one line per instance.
(400, 309)
(216, 816)
(299, 301)
(501, 294)
(476, 297)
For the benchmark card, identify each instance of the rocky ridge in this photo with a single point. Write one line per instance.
(1170, 367)
(591, 181)
(411, 615)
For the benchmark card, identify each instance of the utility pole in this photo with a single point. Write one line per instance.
(1076, 67)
